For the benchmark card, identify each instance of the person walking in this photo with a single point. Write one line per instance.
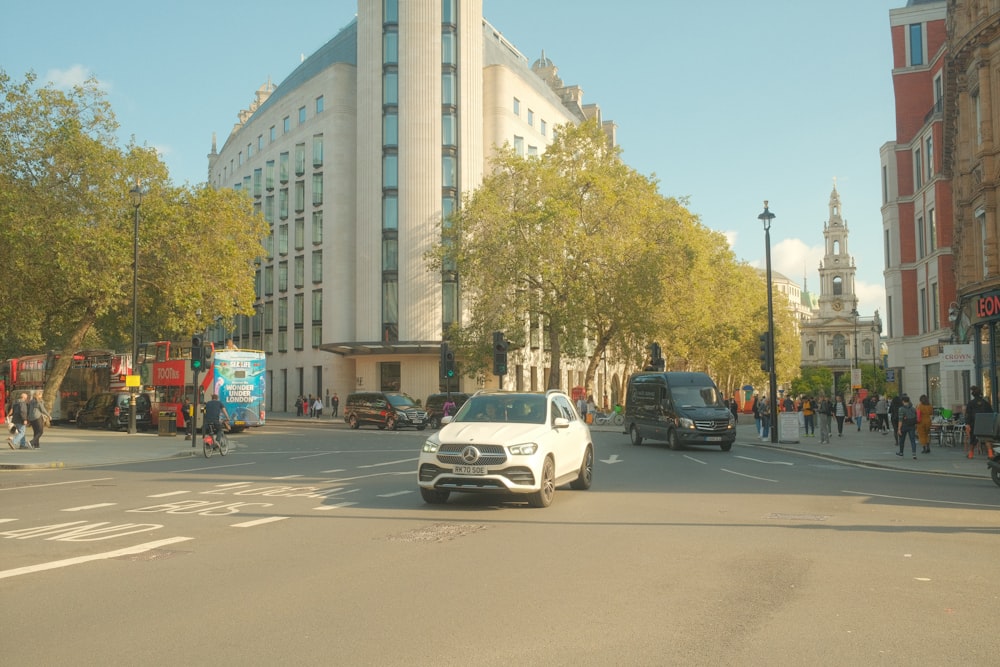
(894, 405)
(755, 409)
(18, 416)
(925, 412)
(857, 409)
(39, 417)
(882, 414)
(825, 419)
(317, 407)
(298, 406)
(764, 408)
(977, 405)
(335, 404)
(808, 416)
(907, 415)
(840, 412)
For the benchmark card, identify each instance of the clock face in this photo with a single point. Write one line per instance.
(838, 304)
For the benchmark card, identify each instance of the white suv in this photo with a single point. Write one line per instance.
(506, 442)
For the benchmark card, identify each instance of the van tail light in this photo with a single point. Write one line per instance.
(118, 411)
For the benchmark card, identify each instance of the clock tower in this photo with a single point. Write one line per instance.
(836, 271)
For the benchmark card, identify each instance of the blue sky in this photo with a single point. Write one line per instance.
(727, 103)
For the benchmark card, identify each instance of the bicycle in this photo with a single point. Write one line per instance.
(215, 438)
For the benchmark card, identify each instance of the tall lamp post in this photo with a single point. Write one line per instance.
(136, 195)
(856, 316)
(766, 217)
(876, 343)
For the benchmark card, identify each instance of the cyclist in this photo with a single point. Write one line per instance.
(215, 414)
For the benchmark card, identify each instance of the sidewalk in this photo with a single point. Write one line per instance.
(65, 446)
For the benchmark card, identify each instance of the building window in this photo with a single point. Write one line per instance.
(918, 170)
(269, 175)
(448, 130)
(318, 150)
(300, 272)
(317, 227)
(922, 307)
(260, 142)
(532, 151)
(839, 347)
(838, 286)
(390, 212)
(929, 155)
(300, 196)
(981, 219)
(448, 52)
(283, 239)
(272, 133)
(249, 151)
(269, 209)
(390, 88)
(976, 108)
(283, 167)
(390, 129)
(531, 118)
(811, 348)
(935, 305)
(931, 231)
(286, 125)
(448, 88)
(449, 301)
(916, 44)
(317, 189)
(283, 203)
(317, 266)
(517, 107)
(300, 233)
(448, 11)
(885, 184)
(448, 175)
(283, 276)
(268, 280)
(319, 104)
(300, 159)
(390, 11)
(302, 115)
(257, 182)
(390, 308)
(921, 246)
(888, 256)
(543, 127)
(519, 145)
(390, 253)
(390, 47)
(390, 171)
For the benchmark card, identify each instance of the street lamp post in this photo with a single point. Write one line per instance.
(856, 316)
(766, 217)
(136, 194)
(876, 343)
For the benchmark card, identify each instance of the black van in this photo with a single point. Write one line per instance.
(385, 409)
(679, 409)
(435, 406)
(111, 410)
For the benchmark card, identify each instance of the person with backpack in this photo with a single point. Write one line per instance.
(825, 419)
(977, 405)
(907, 416)
(894, 405)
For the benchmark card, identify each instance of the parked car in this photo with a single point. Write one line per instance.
(435, 406)
(111, 410)
(520, 443)
(679, 409)
(385, 409)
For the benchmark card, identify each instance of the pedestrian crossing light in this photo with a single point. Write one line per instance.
(499, 353)
(447, 361)
(197, 353)
(765, 352)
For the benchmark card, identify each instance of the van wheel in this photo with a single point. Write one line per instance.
(390, 423)
(672, 441)
(726, 447)
(111, 425)
(435, 422)
(633, 434)
(433, 496)
(353, 421)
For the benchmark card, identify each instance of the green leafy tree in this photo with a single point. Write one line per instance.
(69, 231)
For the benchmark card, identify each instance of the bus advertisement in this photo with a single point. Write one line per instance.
(238, 377)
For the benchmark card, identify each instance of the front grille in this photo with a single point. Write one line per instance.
(415, 415)
(489, 455)
(712, 424)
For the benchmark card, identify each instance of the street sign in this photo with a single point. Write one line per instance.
(856, 378)
(890, 375)
(132, 381)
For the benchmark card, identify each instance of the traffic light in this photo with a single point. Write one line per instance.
(499, 353)
(656, 360)
(765, 352)
(197, 353)
(447, 362)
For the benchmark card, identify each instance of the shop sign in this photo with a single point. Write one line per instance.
(958, 358)
(986, 306)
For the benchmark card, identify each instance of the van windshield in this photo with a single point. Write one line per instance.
(696, 397)
(400, 401)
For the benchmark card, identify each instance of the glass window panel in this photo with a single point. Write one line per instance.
(300, 196)
(268, 280)
(448, 11)
(390, 130)
(286, 124)
(448, 48)
(390, 11)
(390, 171)
(390, 212)
(317, 227)
(269, 209)
(283, 239)
(300, 159)
(318, 150)
(283, 276)
(317, 189)
(302, 115)
(317, 305)
(283, 312)
(319, 104)
(283, 167)
(448, 88)
(448, 175)
(300, 233)
(283, 203)
(317, 266)
(257, 182)
(390, 47)
(300, 273)
(916, 44)
(390, 88)
(449, 303)
(390, 254)
(298, 335)
(448, 129)
(317, 335)
(269, 175)
(390, 300)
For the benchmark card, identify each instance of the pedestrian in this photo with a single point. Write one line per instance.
(734, 408)
(298, 406)
(808, 416)
(825, 417)
(18, 416)
(765, 418)
(925, 412)
(581, 407)
(789, 404)
(894, 405)
(858, 409)
(840, 412)
(309, 406)
(335, 403)
(755, 409)
(977, 405)
(591, 407)
(907, 415)
(882, 414)
(39, 417)
(317, 407)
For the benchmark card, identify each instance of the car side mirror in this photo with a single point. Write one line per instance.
(560, 422)
(446, 420)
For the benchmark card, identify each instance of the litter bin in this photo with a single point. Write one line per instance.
(168, 423)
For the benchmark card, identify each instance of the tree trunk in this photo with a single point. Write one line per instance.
(61, 366)
(555, 354)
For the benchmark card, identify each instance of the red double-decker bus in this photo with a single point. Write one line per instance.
(166, 375)
(90, 372)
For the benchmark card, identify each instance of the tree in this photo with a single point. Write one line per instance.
(67, 216)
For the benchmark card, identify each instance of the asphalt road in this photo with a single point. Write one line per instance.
(310, 544)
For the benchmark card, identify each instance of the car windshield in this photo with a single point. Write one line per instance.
(514, 409)
(401, 401)
(696, 397)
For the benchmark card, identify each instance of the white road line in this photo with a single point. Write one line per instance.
(288, 477)
(38, 486)
(387, 463)
(922, 500)
(257, 522)
(691, 458)
(332, 471)
(234, 465)
(127, 551)
(88, 507)
(774, 463)
(396, 493)
(333, 507)
(763, 479)
(222, 486)
(168, 493)
(310, 456)
(7, 520)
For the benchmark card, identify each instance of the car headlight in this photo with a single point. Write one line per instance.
(684, 422)
(430, 447)
(525, 449)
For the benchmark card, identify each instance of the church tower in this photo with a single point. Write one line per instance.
(836, 271)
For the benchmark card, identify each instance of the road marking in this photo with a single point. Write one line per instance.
(234, 465)
(774, 463)
(38, 486)
(88, 507)
(7, 520)
(257, 522)
(393, 494)
(222, 486)
(763, 479)
(691, 458)
(168, 493)
(922, 500)
(127, 551)
(332, 471)
(333, 507)
(288, 477)
(387, 463)
(310, 456)
(611, 459)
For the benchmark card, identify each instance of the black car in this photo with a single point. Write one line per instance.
(435, 406)
(385, 409)
(111, 410)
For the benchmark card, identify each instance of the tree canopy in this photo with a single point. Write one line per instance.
(68, 224)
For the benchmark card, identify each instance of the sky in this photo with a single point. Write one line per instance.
(725, 103)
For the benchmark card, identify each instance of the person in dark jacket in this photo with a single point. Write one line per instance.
(19, 418)
(39, 417)
(894, 406)
(977, 406)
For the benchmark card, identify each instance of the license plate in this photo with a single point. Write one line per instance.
(470, 470)
(714, 438)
